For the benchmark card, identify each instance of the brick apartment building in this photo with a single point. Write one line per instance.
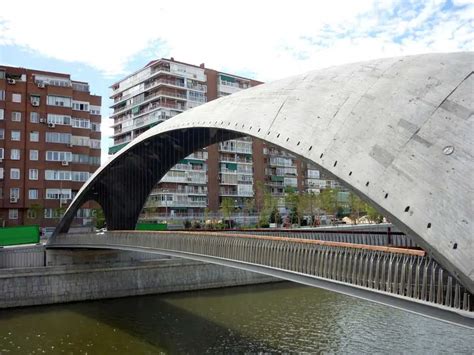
(49, 144)
(165, 88)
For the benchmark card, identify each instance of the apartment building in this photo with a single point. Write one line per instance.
(49, 144)
(231, 169)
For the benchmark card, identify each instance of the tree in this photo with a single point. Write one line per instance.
(98, 215)
(329, 201)
(308, 204)
(269, 204)
(292, 200)
(373, 215)
(356, 206)
(227, 207)
(249, 207)
(275, 216)
(35, 211)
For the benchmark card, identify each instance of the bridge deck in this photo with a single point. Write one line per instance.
(401, 277)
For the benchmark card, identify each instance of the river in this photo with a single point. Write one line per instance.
(281, 317)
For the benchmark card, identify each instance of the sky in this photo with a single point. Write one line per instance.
(103, 41)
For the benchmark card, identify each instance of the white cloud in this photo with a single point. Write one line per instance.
(264, 37)
(270, 39)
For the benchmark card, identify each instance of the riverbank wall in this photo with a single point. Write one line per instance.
(53, 276)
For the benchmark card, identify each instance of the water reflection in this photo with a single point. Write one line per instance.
(279, 317)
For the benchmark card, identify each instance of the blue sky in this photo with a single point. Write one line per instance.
(101, 42)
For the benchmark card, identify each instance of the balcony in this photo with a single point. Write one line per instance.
(235, 146)
(180, 190)
(236, 159)
(149, 98)
(177, 204)
(236, 191)
(186, 177)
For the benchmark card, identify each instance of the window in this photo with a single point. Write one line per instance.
(15, 193)
(12, 213)
(16, 98)
(95, 110)
(2, 95)
(16, 116)
(80, 176)
(95, 127)
(59, 175)
(59, 119)
(80, 105)
(31, 214)
(85, 159)
(81, 141)
(52, 213)
(1, 174)
(2, 133)
(15, 135)
(95, 143)
(2, 151)
(54, 137)
(33, 194)
(2, 114)
(15, 174)
(33, 154)
(33, 174)
(35, 100)
(15, 154)
(34, 136)
(58, 156)
(34, 117)
(81, 123)
(59, 101)
(52, 80)
(56, 194)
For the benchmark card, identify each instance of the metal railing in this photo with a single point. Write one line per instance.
(400, 272)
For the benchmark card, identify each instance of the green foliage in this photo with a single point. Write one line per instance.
(187, 224)
(356, 206)
(227, 207)
(373, 215)
(35, 211)
(329, 201)
(275, 216)
(269, 205)
(98, 215)
(249, 205)
(294, 216)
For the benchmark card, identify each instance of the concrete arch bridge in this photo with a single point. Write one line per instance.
(397, 131)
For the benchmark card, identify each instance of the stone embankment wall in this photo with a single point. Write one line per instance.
(79, 277)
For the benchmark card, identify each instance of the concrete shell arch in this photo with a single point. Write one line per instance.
(397, 131)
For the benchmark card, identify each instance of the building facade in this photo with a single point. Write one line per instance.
(49, 144)
(231, 169)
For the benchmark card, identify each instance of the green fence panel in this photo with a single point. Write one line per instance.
(151, 226)
(19, 235)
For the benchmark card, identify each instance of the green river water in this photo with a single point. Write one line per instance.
(281, 317)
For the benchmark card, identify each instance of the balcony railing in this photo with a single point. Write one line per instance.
(148, 98)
